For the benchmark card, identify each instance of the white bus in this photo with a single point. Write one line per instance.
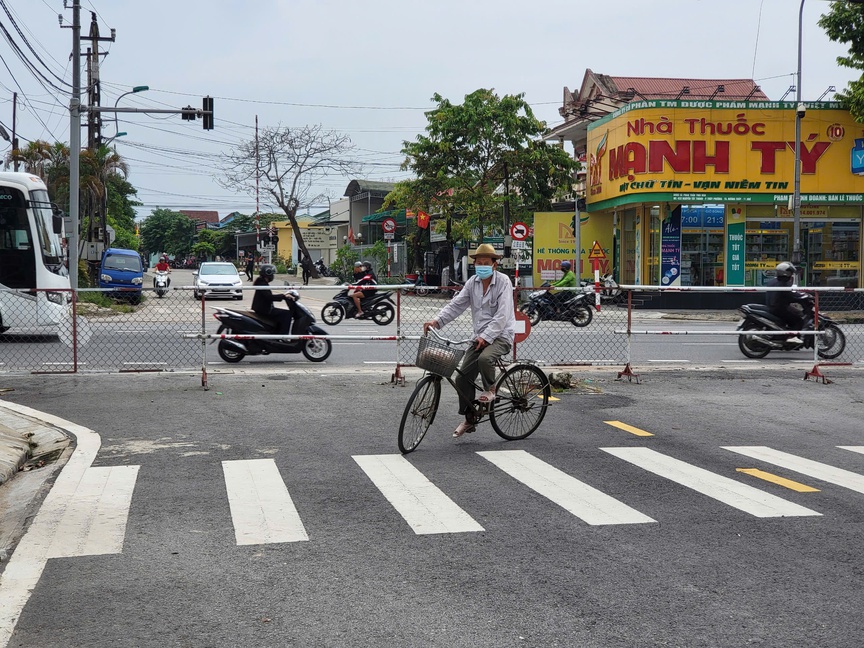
(35, 291)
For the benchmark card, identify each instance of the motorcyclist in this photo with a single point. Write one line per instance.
(263, 301)
(163, 266)
(567, 281)
(781, 303)
(362, 277)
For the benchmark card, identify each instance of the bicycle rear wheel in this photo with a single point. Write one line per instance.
(419, 413)
(522, 396)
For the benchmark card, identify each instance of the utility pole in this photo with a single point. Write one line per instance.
(14, 118)
(97, 228)
(74, 142)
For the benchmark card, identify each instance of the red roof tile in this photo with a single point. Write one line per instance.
(660, 88)
(203, 216)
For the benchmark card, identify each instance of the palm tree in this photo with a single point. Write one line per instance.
(97, 165)
(33, 157)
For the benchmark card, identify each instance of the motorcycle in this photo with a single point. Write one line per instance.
(609, 290)
(380, 308)
(160, 283)
(322, 269)
(568, 306)
(757, 317)
(248, 322)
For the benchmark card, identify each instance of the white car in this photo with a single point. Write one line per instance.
(217, 279)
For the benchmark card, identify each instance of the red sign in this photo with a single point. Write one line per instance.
(523, 327)
(519, 231)
(388, 225)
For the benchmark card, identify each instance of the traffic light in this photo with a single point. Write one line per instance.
(274, 239)
(574, 222)
(580, 204)
(208, 113)
(187, 113)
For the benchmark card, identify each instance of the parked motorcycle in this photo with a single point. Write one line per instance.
(757, 317)
(160, 283)
(248, 322)
(378, 307)
(322, 269)
(609, 290)
(567, 306)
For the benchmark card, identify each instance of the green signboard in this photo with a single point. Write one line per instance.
(736, 229)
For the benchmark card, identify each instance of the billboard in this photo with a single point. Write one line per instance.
(716, 152)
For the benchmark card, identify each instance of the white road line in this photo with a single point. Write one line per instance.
(723, 489)
(261, 506)
(858, 449)
(585, 502)
(667, 360)
(826, 473)
(94, 523)
(388, 362)
(424, 506)
(28, 560)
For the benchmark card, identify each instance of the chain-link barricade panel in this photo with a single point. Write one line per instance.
(567, 328)
(135, 331)
(551, 341)
(846, 309)
(36, 331)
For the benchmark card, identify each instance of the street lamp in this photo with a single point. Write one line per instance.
(134, 90)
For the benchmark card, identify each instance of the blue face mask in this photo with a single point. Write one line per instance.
(484, 272)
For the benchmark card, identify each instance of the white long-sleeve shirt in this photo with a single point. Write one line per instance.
(492, 314)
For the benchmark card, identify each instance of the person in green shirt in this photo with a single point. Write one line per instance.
(567, 281)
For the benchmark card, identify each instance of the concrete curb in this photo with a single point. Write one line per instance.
(22, 572)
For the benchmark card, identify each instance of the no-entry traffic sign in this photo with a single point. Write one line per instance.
(519, 231)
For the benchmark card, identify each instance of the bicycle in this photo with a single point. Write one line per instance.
(522, 394)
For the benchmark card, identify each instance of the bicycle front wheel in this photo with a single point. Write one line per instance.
(419, 413)
(522, 396)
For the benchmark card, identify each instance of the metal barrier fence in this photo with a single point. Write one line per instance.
(164, 334)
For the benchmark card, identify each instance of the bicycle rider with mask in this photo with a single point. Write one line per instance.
(489, 295)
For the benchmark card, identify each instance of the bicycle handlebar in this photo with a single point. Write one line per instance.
(444, 339)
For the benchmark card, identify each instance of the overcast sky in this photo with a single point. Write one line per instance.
(369, 68)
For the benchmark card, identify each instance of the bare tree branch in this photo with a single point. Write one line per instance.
(288, 163)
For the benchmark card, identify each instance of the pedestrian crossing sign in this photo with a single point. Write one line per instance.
(596, 251)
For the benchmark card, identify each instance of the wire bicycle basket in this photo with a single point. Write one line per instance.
(438, 357)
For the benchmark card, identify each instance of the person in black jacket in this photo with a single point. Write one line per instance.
(781, 302)
(263, 301)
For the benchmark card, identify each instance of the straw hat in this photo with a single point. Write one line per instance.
(485, 250)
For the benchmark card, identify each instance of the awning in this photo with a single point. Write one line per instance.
(397, 214)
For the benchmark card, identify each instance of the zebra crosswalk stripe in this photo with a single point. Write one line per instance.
(94, 522)
(741, 496)
(585, 502)
(261, 506)
(838, 476)
(423, 505)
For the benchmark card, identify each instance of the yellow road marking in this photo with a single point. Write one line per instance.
(628, 428)
(776, 479)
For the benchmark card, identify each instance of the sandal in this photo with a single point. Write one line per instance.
(486, 396)
(464, 428)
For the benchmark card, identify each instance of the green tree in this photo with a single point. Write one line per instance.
(289, 163)
(844, 23)
(477, 156)
(168, 231)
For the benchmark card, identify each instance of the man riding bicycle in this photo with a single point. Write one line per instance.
(489, 294)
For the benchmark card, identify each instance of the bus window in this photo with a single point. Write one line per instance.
(43, 215)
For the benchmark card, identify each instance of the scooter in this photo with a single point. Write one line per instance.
(248, 322)
(160, 283)
(757, 317)
(570, 306)
(380, 308)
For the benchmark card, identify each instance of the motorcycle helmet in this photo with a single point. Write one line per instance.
(267, 271)
(358, 266)
(566, 265)
(784, 270)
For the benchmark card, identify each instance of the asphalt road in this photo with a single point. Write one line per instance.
(665, 555)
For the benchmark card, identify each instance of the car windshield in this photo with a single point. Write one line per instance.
(218, 269)
(122, 262)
